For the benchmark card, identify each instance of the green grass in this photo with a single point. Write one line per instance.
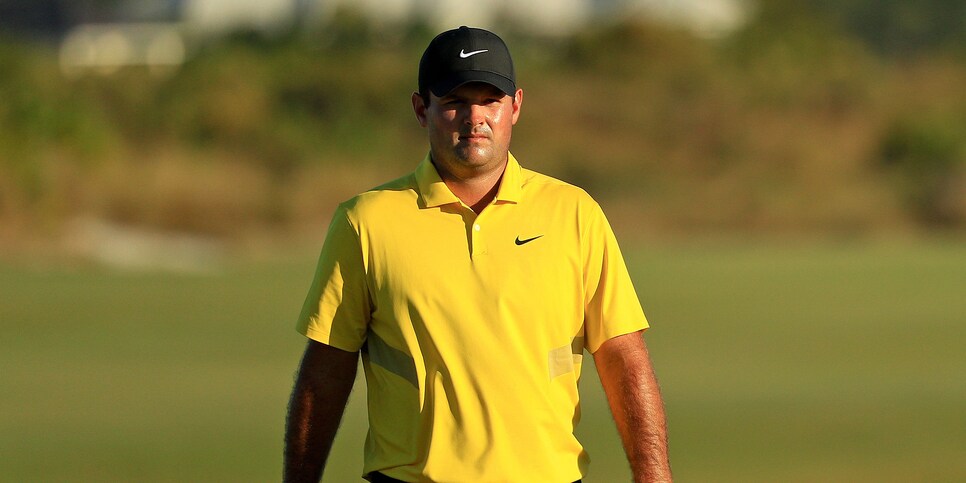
(821, 363)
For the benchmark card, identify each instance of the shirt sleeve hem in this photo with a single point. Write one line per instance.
(324, 337)
(642, 327)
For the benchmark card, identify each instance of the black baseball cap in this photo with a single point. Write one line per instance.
(463, 55)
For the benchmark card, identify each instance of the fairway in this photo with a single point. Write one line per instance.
(812, 363)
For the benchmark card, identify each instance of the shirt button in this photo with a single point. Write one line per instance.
(476, 227)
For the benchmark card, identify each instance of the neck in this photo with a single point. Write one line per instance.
(476, 189)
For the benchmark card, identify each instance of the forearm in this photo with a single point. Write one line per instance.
(318, 401)
(641, 422)
(635, 401)
(309, 434)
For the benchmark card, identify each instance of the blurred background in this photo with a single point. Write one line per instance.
(787, 180)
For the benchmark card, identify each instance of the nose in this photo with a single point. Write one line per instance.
(475, 114)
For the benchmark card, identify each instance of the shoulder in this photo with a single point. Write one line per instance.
(539, 186)
(386, 199)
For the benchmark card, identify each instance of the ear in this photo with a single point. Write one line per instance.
(517, 103)
(419, 107)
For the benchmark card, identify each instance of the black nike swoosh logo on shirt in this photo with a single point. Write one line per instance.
(518, 241)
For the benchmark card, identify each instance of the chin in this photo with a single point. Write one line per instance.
(474, 157)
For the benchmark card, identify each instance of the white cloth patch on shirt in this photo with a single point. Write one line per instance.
(561, 361)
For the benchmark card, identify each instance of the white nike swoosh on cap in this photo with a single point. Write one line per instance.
(464, 55)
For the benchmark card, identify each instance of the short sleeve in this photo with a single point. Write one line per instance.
(611, 305)
(337, 309)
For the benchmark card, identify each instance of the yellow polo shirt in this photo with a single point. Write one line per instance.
(471, 326)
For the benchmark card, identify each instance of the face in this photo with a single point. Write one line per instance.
(469, 128)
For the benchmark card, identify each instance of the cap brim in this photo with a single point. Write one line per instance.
(457, 79)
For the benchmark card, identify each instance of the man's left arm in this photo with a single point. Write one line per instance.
(635, 401)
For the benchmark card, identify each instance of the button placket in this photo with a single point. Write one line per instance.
(479, 245)
(478, 232)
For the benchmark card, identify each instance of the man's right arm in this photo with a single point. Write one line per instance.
(322, 388)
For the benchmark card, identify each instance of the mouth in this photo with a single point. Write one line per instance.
(474, 137)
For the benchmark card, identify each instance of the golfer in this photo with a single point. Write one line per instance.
(471, 289)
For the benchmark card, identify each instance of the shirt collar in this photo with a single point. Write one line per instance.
(432, 189)
(434, 192)
(511, 186)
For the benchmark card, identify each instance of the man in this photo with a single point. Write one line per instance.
(471, 288)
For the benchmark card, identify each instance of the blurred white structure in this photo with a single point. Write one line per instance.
(540, 17)
(161, 46)
(707, 18)
(105, 48)
(211, 17)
